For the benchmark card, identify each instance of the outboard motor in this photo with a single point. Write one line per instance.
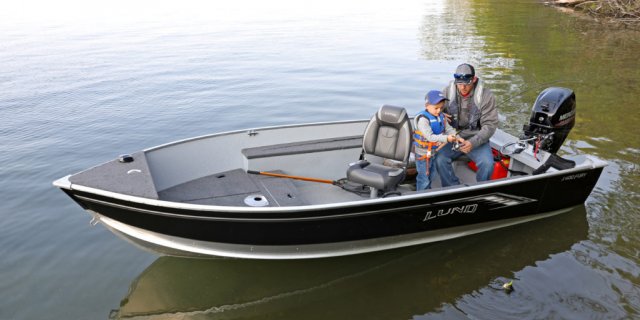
(552, 118)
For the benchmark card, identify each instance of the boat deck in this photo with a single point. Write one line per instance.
(231, 188)
(131, 178)
(237, 188)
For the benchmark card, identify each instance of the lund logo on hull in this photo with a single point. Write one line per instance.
(490, 202)
(470, 208)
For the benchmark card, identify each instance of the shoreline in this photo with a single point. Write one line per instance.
(623, 12)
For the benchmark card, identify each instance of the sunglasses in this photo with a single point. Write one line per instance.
(463, 76)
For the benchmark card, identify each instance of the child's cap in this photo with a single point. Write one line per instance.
(434, 97)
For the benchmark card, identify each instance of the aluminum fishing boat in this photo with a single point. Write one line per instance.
(329, 189)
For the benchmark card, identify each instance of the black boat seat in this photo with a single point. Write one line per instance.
(374, 175)
(388, 135)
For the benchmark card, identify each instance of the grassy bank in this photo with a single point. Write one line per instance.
(623, 11)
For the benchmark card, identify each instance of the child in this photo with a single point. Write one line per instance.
(431, 130)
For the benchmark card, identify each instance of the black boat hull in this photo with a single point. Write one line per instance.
(332, 230)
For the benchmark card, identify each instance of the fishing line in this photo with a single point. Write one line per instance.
(528, 88)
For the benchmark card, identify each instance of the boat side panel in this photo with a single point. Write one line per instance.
(178, 163)
(569, 189)
(338, 224)
(160, 243)
(330, 165)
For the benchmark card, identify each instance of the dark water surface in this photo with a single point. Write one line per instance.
(81, 83)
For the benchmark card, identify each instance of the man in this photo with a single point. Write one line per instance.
(471, 109)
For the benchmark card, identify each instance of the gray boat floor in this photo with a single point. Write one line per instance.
(236, 187)
(231, 188)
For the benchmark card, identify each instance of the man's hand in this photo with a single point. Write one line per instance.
(466, 146)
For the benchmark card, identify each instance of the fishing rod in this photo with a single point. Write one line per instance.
(286, 176)
(342, 183)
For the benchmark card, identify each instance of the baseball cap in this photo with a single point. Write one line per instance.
(464, 73)
(434, 97)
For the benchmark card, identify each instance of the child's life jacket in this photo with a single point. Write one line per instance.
(422, 147)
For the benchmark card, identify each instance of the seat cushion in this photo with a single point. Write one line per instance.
(375, 175)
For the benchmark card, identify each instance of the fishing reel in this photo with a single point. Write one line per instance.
(456, 146)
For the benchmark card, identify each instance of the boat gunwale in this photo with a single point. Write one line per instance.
(316, 207)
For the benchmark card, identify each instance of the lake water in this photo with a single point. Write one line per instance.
(81, 83)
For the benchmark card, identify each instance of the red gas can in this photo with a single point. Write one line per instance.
(500, 165)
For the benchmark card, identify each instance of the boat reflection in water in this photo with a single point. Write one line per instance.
(393, 284)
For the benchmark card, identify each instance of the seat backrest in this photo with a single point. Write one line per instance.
(388, 134)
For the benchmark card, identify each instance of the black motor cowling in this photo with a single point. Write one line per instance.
(552, 118)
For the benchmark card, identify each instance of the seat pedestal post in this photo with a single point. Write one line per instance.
(374, 193)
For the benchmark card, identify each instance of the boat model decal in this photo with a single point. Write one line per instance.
(574, 177)
(492, 201)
